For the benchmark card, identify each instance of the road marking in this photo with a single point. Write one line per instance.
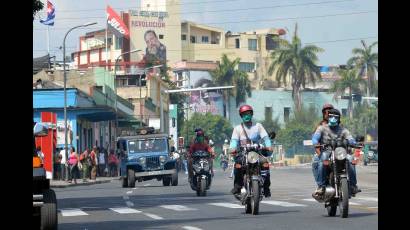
(373, 207)
(282, 203)
(125, 210)
(227, 205)
(126, 197)
(310, 199)
(129, 204)
(73, 212)
(129, 192)
(146, 185)
(177, 207)
(191, 228)
(153, 216)
(134, 188)
(368, 198)
(353, 203)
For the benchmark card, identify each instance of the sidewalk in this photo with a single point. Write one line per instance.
(64, 184)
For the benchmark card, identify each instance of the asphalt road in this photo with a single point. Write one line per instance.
(152, 206)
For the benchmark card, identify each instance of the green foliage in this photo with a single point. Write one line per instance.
(37, 6)
(291, 59)
(269, 124)
(227, 74)
(365, 120)
(300, 127)
(216, 127)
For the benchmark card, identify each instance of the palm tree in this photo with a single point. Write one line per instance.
(291, 59)
(227, 74)
(349, 81)
(367, 63)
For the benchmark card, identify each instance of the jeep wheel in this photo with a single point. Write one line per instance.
(166, 180)
(174, 179)
(124, 182)
(49, 210)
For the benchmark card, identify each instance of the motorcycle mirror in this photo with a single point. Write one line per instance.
(272, 135)
(172, 149)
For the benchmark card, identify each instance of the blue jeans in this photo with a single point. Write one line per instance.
(319, 172)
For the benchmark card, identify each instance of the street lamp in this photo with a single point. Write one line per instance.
(65, 91)
(115, 84)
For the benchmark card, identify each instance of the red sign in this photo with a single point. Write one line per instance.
(116, 24)
(48, 142)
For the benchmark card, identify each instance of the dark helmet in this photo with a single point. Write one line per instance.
(245, 108)
(336, 113)
(327, 106)
(198, 129)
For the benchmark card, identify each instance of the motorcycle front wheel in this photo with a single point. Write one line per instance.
(344, 200)
(255, 197)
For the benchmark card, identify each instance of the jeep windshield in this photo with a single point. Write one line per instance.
(148, 145)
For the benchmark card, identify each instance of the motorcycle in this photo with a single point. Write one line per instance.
(224, 164)
(337, 192)
(202, 172)
(252, 191)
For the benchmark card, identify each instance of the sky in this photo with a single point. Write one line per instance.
(337, 26)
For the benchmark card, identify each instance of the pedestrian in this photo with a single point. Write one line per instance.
(94, 163)
(63, 163)
(112, 163)
(73, 161)
(57, 166)
(102, 159)
(86, 162)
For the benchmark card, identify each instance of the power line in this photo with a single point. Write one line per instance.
(233, 10)
(342, 40)
(260, 20)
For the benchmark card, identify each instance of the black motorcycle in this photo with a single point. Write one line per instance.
(202, 172)
(252, 191)
(337, 192)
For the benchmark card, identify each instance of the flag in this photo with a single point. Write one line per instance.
(115, 24)
(50, 15)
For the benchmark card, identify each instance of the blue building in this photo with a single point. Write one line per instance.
(89, 123)
(282, 104)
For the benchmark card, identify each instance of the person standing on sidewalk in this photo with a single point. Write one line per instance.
(112, 163)
(102, 159)
(94, 163)
(85, 161)
(73, 165)
(63, 163)
(57, 166)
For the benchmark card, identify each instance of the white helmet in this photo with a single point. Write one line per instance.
(226, 141)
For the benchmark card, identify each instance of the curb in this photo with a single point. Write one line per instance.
(81, 184)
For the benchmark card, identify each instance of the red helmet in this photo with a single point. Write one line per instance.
(245, 108)
(327, 106)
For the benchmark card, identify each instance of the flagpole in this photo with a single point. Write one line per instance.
(48, 46)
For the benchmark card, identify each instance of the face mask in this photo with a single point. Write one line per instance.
(332, 121)
(200, 139)
(247, 117)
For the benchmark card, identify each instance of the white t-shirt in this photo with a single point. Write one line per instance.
(256, 132)
(63, 158)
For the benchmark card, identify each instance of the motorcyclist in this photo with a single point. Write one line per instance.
(322, 135)
(255, 132)
(317, 163)
(198, 145)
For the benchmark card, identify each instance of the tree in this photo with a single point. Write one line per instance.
(270, 124)
(300, 127)
(227, 74)
(366, 62)
(365, 121)
(349, 81)
(216, 127)
(291, 59)
(37, 6)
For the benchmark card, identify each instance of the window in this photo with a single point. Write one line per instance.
(246, 66)
(237, 43)
(205, 39)
(109, 41)
(252, 44)
(132, 81)
(122, 82)
(130, 100)
(286, 113)
(193, 39)
(118, 43)
(271, 44)
(183, 37)
(161, 36)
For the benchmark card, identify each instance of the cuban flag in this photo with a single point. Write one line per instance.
(50, 15)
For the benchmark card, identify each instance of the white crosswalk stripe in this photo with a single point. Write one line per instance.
(367, 198)
(191, 228)
(73, 212)
(226, 205)
(313, 200)
(153, 216)
(177, 207)
(125, 210)
(282, 203)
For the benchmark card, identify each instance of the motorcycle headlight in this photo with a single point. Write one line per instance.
(206, 165)
(371, 153)
(141, 160)
(253, 157)
(340, 153)
(162, 159)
